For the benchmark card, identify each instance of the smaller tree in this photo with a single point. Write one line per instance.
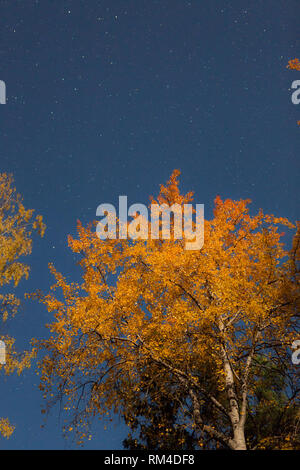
(16, 226)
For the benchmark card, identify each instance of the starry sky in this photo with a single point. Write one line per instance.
(106, 98)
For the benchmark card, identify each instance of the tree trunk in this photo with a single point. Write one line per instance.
(239, 442)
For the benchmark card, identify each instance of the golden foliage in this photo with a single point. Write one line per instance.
(6, 429)
(16, 226)
(196, 318)
(294, 64)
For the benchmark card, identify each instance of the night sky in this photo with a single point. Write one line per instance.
(106, 98)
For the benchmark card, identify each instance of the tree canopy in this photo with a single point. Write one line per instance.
(152, 322)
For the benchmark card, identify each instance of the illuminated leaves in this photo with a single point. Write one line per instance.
(16, 226)
(294, 64)
(6, 429)
(191, 321)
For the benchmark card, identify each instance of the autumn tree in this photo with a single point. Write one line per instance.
(16, 227)
(155, 321)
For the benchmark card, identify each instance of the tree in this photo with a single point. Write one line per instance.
(151, 318)
(16, 226)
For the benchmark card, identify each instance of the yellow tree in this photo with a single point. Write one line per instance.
(16, 226)
(191, 322)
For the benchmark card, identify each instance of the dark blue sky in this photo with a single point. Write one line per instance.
(107, 98)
